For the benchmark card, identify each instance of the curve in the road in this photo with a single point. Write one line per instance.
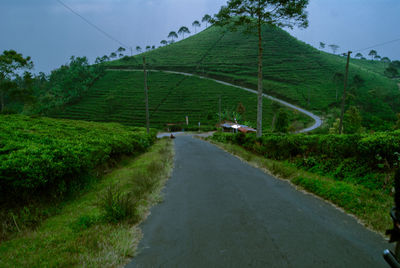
(316, 118)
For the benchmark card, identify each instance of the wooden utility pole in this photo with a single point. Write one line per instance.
(146, 96)
(344, 93)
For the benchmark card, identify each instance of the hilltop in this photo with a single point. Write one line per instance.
(293, 71)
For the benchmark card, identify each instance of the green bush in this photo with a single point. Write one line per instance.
(46, 156)
(367, 159)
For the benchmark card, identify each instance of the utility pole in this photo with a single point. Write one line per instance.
(131, 51)
(344, 93)
(146, 96)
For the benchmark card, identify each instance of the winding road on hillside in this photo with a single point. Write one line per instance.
(220, 212)
(316, 118)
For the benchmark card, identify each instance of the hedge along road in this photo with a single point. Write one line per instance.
(316, 118)
(220, 212)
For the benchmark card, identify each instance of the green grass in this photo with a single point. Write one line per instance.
(80, 235)
(119, 97)
(370, 206)
(293, 70)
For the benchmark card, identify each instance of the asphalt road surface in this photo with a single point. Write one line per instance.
(221, 212)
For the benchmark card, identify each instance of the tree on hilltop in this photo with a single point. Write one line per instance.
(113, 55)
(196, 24)
(206, 19)
(253, 15)
(172, 35)
(121, 51)
(334, 48)
(163, 42)
(321, 45)
(373, 54)
(148, 48)
(385, 60)
(183, 30)
(359, 55)
(138, 49)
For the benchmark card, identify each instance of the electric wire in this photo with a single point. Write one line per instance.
(378, 45)
(92, 24)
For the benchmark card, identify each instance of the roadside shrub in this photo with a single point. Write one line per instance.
(364, 159)
(117, 206)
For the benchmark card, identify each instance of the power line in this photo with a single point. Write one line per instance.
(378, 45)
(91, 24)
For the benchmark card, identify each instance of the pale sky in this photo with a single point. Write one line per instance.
(50, 34)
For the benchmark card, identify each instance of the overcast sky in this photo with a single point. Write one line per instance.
(50, 33)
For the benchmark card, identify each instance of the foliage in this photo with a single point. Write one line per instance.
(117, 206)
(352, 121)
(68, 83)
(196, 24)
(366, 159)
(11, 63)
(207, 19)
(183, 30)
(282, 122)
(392, 71)
(172, 35)
(39, 155)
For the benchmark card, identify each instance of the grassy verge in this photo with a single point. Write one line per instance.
(100, 228)
(371, 207)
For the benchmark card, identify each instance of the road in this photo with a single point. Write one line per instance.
(316, 118)
(220, 212)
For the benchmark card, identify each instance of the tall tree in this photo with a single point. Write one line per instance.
(321, 45)
(196, 24)
(207, 19)
(172, 35)
(253, 14)
(121, 51)
(373, 54)
(11, 63)
(138, 49)
(183, 30)
(113, 55)
(334, 48)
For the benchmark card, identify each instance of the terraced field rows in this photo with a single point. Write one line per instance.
(293, 71)
(119, 97)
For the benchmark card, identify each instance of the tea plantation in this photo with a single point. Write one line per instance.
(293, 70)
(119, 97)
(45, 156)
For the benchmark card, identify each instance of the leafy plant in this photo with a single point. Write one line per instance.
(117, 206)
